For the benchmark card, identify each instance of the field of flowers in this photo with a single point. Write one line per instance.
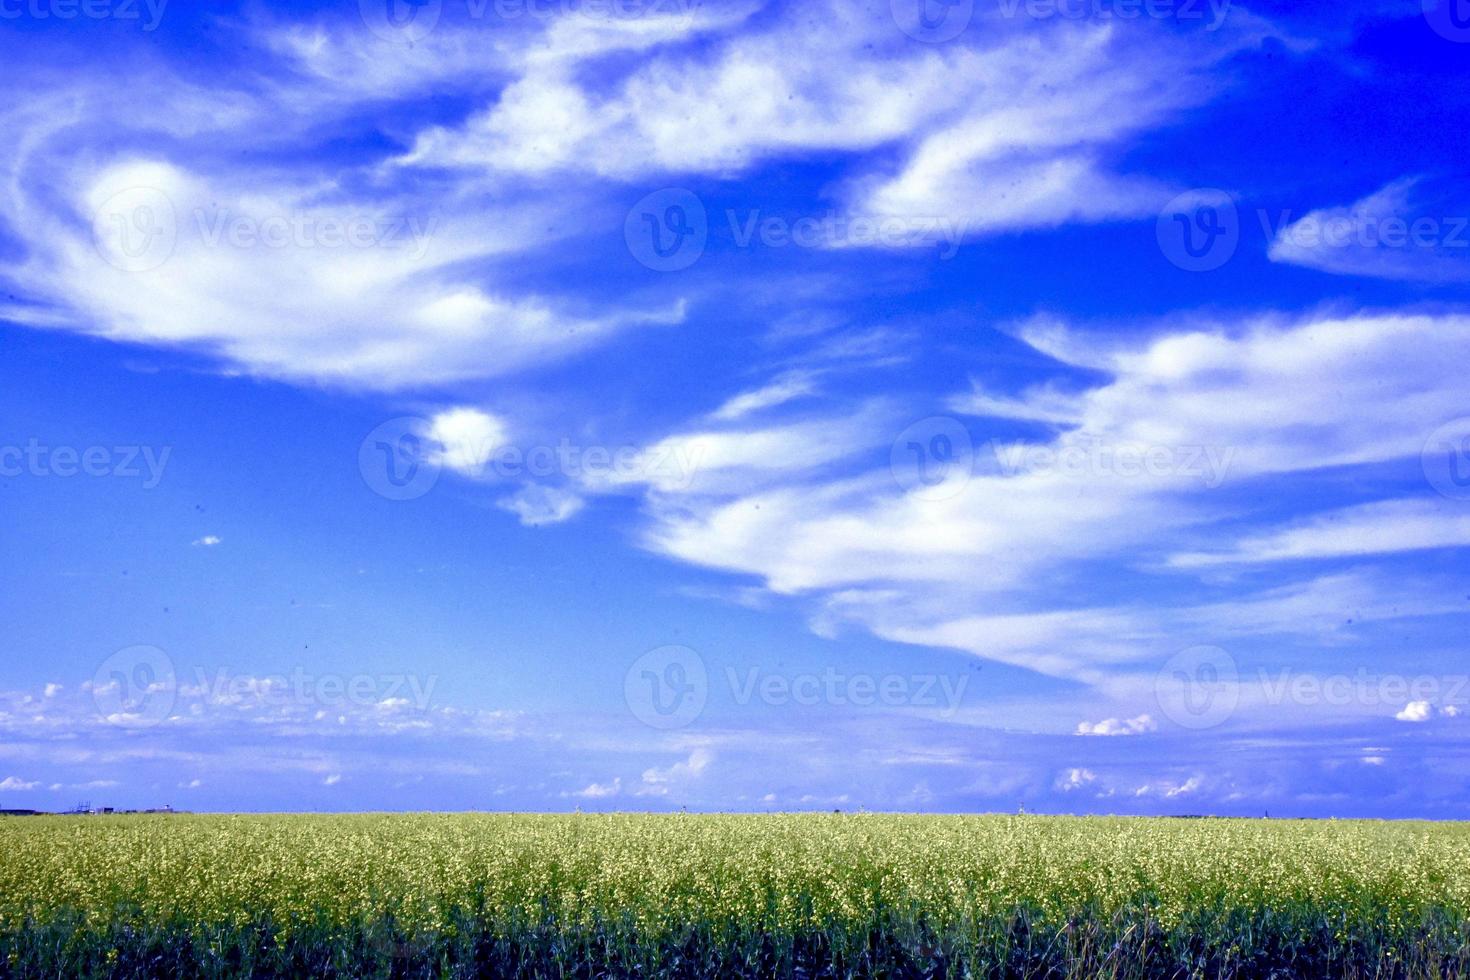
(756, 896)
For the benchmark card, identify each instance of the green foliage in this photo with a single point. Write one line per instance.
(425, 895)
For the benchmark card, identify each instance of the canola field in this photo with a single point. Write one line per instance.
(810, 895)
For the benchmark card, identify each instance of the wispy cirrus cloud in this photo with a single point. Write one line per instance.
(1378, 528)
(1412, 229)
(1123, 472)
(1012, 126)
(142, 224)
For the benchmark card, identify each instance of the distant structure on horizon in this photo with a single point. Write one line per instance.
(85, 809)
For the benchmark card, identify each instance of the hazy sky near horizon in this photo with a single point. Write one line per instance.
(935, 405)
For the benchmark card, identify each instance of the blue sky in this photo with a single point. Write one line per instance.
(756, 406)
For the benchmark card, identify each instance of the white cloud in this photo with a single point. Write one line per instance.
(1394, 233)
(1185, 788)
(1075, 779)
(208, 541)
(1119, 726)
(753, 95)
(1381, 527)
(597, 791)
(1005, 129)
(745, 596)
(466, 439)
(1037, 405)
(537, 505)
(729, 460)
(1315, 607)
(1416, 711)
(398, 305)
(1168, 789)
(289, 272)
(1188, 411)
(1063, 643)
(658, 781)
(788, 387)
(13, 784)
(231, 705)
(332, 780)
(361, 276)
